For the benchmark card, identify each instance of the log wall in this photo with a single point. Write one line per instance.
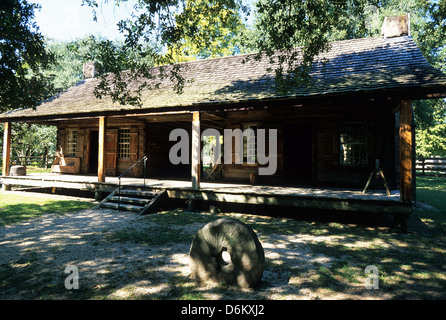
(87, 131)
(308, 145)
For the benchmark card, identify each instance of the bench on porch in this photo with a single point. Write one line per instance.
(66, 165)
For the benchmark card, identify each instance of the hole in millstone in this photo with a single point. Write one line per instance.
(223, 258)
(226, 256)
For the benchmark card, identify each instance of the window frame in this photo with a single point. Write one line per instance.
(72, 136)
(249, 151)
(353, 151)
(124, 144)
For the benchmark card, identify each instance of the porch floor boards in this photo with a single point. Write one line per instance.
(90, 182)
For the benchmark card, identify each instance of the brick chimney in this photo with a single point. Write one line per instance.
(90, 70)
(397, 26)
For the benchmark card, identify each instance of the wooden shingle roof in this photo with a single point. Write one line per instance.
(354, 66)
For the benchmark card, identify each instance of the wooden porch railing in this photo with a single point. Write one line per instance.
(431, 166)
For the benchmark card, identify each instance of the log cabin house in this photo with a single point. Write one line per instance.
(356, 115)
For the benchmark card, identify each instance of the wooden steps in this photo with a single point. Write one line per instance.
(140, 201)
(121, 206)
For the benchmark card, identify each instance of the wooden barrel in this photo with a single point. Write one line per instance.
(17, 171)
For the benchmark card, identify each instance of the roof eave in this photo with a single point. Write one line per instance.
(395, 94)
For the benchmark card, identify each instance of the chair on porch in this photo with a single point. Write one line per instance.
(214, 172)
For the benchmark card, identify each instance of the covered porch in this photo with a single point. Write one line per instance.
(308, 153)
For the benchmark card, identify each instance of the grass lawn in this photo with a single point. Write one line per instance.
(432, 190)
(15, 209)
(35, 169)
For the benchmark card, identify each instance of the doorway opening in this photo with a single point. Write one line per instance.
(94, 152)
(298, 149)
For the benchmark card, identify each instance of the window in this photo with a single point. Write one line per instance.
(124, 144)
(71, 143)
(249, 143)
(353, 144)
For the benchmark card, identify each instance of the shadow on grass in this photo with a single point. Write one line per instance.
(15, 213)
(303, 258)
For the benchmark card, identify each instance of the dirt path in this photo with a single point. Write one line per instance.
(34, 255)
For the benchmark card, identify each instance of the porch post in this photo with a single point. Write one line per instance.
(6, 152)
(196, 151)
(101, 152)
(407, 152)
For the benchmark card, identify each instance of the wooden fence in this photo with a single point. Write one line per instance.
(431, 166)
(41, 162)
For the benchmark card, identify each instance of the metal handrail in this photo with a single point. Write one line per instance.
(122, 174)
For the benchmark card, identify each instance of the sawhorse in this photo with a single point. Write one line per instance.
(377, 172)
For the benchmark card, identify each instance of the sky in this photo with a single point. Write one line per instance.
(68, 19)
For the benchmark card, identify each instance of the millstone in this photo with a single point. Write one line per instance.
(227, 237)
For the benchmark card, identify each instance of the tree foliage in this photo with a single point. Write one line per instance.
(431, 141)
(284, 25)
(112, 57)
(30, 140)
(210, 29)
(166, 32)
(71, 56)
(22, 57)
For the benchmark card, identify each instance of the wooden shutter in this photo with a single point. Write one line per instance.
(134, 144)
(62, 143)
(111, 151)
(80, 143)
(133, 152)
